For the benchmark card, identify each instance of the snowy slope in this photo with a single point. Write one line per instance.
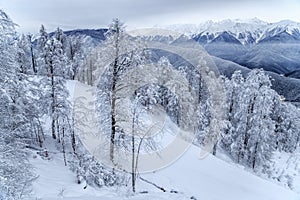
(188, 178)
(209, 179)
(212, 178)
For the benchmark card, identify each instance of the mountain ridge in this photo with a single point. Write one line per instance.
(250, 31)
(276, 51)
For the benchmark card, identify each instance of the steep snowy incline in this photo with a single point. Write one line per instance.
(214, 179)
(187, 178)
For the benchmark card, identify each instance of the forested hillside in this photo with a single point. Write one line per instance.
(142, 97)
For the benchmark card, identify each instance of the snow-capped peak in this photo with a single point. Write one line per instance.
(289, 28)
(235, 26)
(229, 25)
(246, 31)
(155, 34)
(287, 25)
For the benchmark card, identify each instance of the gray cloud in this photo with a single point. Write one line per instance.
(70, 14)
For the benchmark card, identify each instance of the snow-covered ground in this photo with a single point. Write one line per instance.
(209, 179)
(286, 167)
(187, 178)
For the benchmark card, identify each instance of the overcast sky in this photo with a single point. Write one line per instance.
(70, 14)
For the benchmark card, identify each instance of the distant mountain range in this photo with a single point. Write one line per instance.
(252, 43)
(236, 44)
(93, 37)
(245, 32)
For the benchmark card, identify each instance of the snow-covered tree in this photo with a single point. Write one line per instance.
(233, 88)
(55, 92)
(260, 144)
(41, 51)
(24, 55)
(15, 126)
(75, 54)
(287, 126)
(117, 44)
(32, 53)
(255, 120)
(89, 170)
(63, 46)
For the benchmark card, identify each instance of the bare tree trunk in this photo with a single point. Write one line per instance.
(41, 129)
(58, 132)
(87, 75)
(32, 55)
(39, 133)
(39, 138)
(53, 129)
(254, 156)
(63, 143)
(91, 73)
(133, 155)
(113, 98)
(32, 60)
(246, 139)
(113, 121)
(215, 149)
(53, 100)
(73, 142)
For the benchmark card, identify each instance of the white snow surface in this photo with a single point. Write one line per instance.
(188, 178)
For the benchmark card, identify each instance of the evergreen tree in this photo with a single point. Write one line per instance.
(63, 46)
(248, 123)
(235, 134)
(23, 55)
(15, 172)
(75, 54)
(287, 126)
(260, 145)
(55, 92)
(41, 52)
